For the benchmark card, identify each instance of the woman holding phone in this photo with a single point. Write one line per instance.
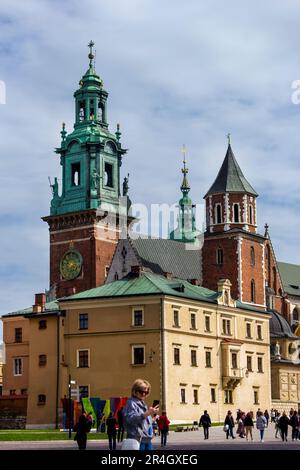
(138, 417)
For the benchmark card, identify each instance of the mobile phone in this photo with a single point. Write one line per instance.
(155, 403)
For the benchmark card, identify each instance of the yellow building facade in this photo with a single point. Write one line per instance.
(198, 349)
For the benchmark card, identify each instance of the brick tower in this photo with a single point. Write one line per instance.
(82, 239)
(232, 248)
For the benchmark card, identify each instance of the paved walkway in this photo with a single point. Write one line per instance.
(192, 440)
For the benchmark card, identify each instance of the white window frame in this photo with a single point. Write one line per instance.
(134, 309)
(18, 374)
(140, 346)
(89, 357)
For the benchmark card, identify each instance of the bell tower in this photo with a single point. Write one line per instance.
(84, 212)
(232, 247)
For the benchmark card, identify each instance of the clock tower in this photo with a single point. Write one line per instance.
(84, 215)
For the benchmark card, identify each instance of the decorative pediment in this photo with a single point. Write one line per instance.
(224, 290)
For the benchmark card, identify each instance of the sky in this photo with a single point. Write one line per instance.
(176, 72)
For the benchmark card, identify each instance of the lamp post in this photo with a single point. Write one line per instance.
(71, 382)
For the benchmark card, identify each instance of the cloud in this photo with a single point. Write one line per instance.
(176, 73)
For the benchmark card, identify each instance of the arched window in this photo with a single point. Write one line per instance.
(236, 213)
(100, 112)
(92, 110)
(219, 255)
(274, 279)
(253, 291)
(81, 111)
(250, 214)
(218, 213)
(295, 317)
(252, 256)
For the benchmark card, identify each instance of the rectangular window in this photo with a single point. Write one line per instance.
(12, 391)
(219, 256)
(83, 391)
(42, 359)
(249, 363)
(138, 355)
(194, 357)
(226, 327)
(41, 399)
(83, 358)
(228, 397)
(193, 321)
(256, 397)
(234, 360)
(18, 335)
(42, 324)
(83, 321)
(23, 391)
(175, 317)
(182, 395)
(18, 366)
(213, 395)
(177, 356)
(259, 332)
(260, 364)
(108, 175)
(207, 323)
(207, 359)
(75, 174)
(138, 317)
(248, 330)
(195, 394)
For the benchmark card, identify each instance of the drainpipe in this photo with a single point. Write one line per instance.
(57, 370)
(162, 356)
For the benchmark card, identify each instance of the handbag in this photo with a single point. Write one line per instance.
(226, 427)
(130, 444)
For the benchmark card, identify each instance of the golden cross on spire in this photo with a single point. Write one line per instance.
(183, 150)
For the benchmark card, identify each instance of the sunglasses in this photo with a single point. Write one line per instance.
(143, 392)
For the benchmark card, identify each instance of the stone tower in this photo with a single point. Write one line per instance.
(84, 213)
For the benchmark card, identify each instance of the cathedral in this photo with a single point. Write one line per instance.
(210, 318)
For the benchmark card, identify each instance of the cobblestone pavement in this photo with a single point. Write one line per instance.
(192, 440)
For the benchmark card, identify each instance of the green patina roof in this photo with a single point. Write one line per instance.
(230, 177)
(290, 275)
(50, 307)
(150, 284)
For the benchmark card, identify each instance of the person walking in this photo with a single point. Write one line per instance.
(138, 417)
(205, 421)
(248, 423)
(120, 419)
(111, 431)
(261, 424)
(267, 416)
(283, 424)
(163, 426)
(294, 422)
(229, 425)
(277, 423)
(241, 427)
(81, 428)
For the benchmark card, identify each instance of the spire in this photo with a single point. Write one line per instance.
(91, 55)
(185, 187)
(230, 177)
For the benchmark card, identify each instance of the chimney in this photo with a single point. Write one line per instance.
(168, 275)
(39, 303)
(136, 270)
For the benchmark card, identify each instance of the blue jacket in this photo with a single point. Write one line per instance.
(136, 426)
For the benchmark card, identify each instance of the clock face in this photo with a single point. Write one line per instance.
(70, 265)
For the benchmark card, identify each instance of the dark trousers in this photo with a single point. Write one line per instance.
(163, 437)
(284, 433)
(81, 441)
(112, 441)
(229, 431)
(295, 432)
(120, 433)
(206, 432)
